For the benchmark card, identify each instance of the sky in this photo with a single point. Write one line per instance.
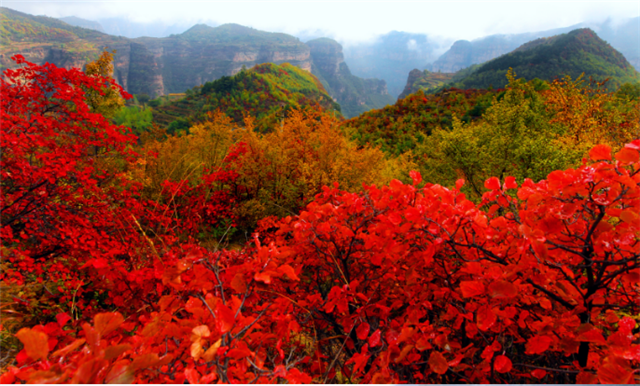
(350, 21)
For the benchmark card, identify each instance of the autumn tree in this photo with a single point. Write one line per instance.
(106, 100)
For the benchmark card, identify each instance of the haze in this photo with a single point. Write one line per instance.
(350, 21)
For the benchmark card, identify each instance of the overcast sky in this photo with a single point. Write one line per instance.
(351, 20)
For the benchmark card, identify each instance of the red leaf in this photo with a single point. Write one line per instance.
(192, 375)
(586, 378)
(238, 283)
(538, 344)
(492, 183)
(289, 271)
(437, 363)
(628, 155)
(600, 152)
(485, 318)
(539, 373)
(264, 277)
(502, 289)
(374, 339)
(593, 335)
(471, 288)
(416, 177)
(502, 364)
(362, 331)
(615, 370)
(106, 322)
(35, 343)
(510, 183)
(225, 319)
(63, 318)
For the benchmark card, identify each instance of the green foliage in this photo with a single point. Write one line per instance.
(515, 137)
(267, 92)
(405, 125)
(137, 118)
(630, 91)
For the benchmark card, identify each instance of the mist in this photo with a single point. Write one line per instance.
(350, 21)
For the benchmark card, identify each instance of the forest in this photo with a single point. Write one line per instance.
(466, 236)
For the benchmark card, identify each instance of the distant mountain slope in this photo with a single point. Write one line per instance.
(79, 22)
(624, 37)
(266, 92)
(579, 51)
(355, 95)
(393, 55)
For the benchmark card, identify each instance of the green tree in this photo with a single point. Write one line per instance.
(515, 138)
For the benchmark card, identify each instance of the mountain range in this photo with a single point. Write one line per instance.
(578, 52)
(173, 64)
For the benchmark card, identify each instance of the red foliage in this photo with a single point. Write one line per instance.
(394, 284)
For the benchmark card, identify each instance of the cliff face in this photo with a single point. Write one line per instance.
(153, 66)
(355, 95)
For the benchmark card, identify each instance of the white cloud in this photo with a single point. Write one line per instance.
(350, 20)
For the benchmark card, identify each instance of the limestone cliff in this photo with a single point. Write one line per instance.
(355, 95)
(153, 66)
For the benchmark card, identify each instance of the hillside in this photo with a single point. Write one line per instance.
(355, 95)
(579, 51)
(624, 37)
(265, 92)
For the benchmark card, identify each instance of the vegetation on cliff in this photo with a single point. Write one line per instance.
(266, 92)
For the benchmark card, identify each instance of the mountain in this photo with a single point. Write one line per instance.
(78, 22)
(266, 92)
(579, 51)
(174, 64)
(355, 95)
(624, 37)
(392, 56)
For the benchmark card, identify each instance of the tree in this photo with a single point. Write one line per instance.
(515, 137)
(106, 100)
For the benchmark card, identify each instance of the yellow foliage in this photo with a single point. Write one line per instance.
(185, 158)
(285, 168)
(111, 101)
(591, 115)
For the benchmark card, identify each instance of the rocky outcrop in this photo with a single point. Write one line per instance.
(414, 75)
(355, 95)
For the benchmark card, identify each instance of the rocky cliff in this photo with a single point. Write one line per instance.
(355, 95)
(153, 66)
